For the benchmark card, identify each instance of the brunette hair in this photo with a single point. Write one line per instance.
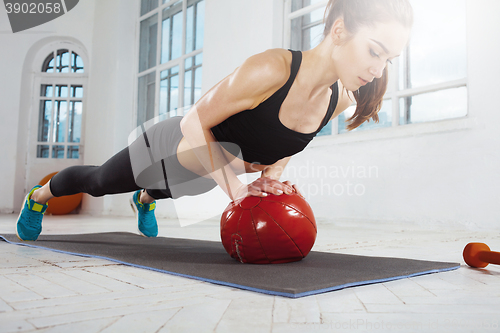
(357, 13)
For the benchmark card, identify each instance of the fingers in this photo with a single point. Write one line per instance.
(273, 186)
(247, 191)
(294, 187)
(262, 187)
(257, 192)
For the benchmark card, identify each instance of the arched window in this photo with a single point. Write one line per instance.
(64, 61)
(60, 105)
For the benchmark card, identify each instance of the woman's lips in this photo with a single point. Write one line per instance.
(363, 82)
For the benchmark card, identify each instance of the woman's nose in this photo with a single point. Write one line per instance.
(377, 70)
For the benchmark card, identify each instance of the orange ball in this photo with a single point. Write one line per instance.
(471, 254)
(61, 205)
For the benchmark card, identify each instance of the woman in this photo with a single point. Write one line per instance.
(270, 108)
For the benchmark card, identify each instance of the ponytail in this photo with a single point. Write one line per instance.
(368, 101)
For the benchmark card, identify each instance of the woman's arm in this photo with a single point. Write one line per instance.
(257, 79)
(276, 170)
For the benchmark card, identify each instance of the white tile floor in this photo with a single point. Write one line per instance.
(42, 290)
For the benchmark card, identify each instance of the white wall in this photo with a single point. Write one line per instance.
(236, 30)
(437, 174)
(111, 97)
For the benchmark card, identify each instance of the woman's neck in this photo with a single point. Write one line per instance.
(317, 70)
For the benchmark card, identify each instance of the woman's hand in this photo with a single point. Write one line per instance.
(263, 186)
(294, 187)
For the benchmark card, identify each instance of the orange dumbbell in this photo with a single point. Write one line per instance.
(479, 255)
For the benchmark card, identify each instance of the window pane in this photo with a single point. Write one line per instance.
(188, 84)
(200, 24)
(147, 47)
(171, 40)
(146, 100)
(198, 59)
(192, 79)
(76, 91)
(190, 29)
(298, 4)
(44, 119)
(443, 104)
(42, 151)
(188, 63)
(48, 64)
(62, 61)
(60, 121)
(176, 35)
(437, 51)
(169, 91)
(148, 5)
(73, 152)
(192, 86)
(46, 90)
(75, 121)
(165, 40)
(307, 30)
(76, 63)
(174, 93)
(57, 151)
(61, 91)
(384, 115)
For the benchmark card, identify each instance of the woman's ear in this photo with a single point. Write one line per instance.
(338, 31)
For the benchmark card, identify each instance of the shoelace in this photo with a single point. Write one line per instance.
(146, 217)
(32, 220)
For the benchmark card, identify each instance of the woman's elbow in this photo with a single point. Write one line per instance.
(191, 125)
(187, 123)
(184, 122)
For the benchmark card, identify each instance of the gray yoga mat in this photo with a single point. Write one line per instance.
(319, 272)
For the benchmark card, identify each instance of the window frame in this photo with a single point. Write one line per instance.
(160, 67)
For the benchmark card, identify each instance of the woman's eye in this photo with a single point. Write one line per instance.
(373, 54)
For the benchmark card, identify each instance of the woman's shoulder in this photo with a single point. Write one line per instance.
(254, 81)
(271, 68)
(278, 57)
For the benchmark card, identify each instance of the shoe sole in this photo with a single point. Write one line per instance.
(19, 216)
(136, 212)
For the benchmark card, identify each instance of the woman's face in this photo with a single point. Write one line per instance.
(364, 56)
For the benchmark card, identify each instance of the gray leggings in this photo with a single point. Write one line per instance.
(150, 162)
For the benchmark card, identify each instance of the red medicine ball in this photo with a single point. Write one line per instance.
(270, 230)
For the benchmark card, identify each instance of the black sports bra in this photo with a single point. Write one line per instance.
(259, 133)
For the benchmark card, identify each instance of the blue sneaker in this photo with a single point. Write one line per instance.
(29, 222)
(145, 213)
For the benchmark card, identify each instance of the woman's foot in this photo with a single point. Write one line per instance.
(29, 222)
(145, 213)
